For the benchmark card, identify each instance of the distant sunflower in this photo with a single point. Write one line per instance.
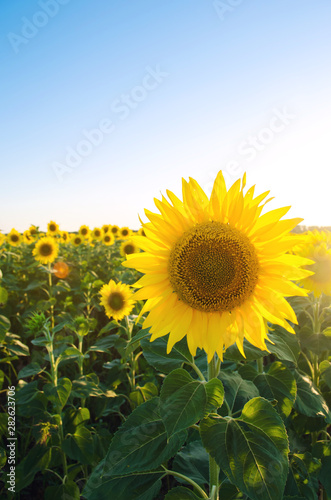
(2, 239)
(115, 231)
(33, 230)
(141, 232)
(106, 228)
(46, 250)
(64, 236)
(216, 270)
(316, 245)
(125, 232)
(128, 247)
(116, 299)
(28, 238)
(76, 239)
(84, 231)
(108, 239)
(97, 233)
(52, 228)
(14, 238)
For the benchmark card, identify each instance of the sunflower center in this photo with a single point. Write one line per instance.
(124, 232)
(77, 241)
(116, 301)
(45, 249)
(107, 239)
(129, 249)
(84, 231)
(97, 233)
(114, 230)
(321, 268)
(213, 267)
(52, 227)
(14, 238)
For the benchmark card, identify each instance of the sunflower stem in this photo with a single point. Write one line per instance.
(259, 365)
(187, 479)
(214, 470)
(50, 292)
(198, 372)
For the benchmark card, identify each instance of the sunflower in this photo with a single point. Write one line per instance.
(116, 299)
(27, 237)
(106, 227)
(115, 230)
(52, 228)
(84, 231)
(128, 247)
(141, 232)
(108, 239)
(14, 238)
(33, 230)
(46, 250)
(216, 270)
(316, 245)
(64, 236)
(97, 233)
(76, 239)
(125, 232)
(2, 239)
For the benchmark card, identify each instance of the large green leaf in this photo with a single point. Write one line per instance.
(251, 352)
(215, 394)
(58, 395)
(74, 417)
(252, 449)
(67, 491)
(193, 462)
(309, 401)
(279, 384)
(302, 478)
(143, 393)
(181, 493)
(284, 345)
(156, 354)
(182, 401)
(3, 296)
(36, 460)
(237, 390)
(139, 445)
(322, 450)
(29, 370)
(134, 485)
(79, 446)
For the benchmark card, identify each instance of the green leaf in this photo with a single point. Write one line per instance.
(326, 375)
(251, 352)
(252, 449)
(309, 401)
(16, 347)
(134, 342)
(317, 343)
(237, 390)
(137, 486)
(302, 478)
(285, 345)
(58, 395)
(4, 327)
(36, 460)
(103, 345)
(142, 394)
(215, 395)
(182, 401)
(79, 446)
(3, 458)
(3, 296)
(279, 384)
(139, 445)
(29, 370)
(181, 493)
(74, 417)
(193, 462)
(322, 450)
(68, 490)
(112, 325)
(27, 392)
(156, 355)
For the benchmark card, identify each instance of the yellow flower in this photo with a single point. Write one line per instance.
(108, 239)
(46, 250)
(84, 231)
(2, 239)
(33, 230)
(141, 232)
(97, 233)
(216, 270)
(316, 245)
(128, 247)
(52, 228)
(125, 232)
(64, 236)
(105, 228)
(76, 239)
(116, 299)
(14, 238)
(28, 238)
(115, 230)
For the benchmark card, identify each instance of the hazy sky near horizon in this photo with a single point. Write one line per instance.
(107, 104)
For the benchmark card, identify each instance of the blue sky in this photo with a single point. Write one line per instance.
(106, 104)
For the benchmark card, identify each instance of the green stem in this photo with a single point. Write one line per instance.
(317, 331)
(188, 480)
(214, 470)
(50, 292)
(197, 371)
(259, 365)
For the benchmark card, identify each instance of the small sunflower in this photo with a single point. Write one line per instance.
(33, 230)
(46, 250)
(64, 236)
(316, 245)
(52, 228)
(128, 247)
(2, 239)
(115, 231)
(76, 239)
(14, 238)
(108, 239)
(27, 237)
(116, 299)
(97, 233)
(141, 232)
(84, 231)
(125, 232)
(106, 228)
(216, 270)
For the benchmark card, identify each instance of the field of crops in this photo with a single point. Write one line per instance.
(91, 408)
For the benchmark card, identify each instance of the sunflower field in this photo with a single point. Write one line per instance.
(188, 360)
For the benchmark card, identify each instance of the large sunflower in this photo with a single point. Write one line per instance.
(46, 250)
(216, 270)
(116, 299)
(14, 238)
(316, 245)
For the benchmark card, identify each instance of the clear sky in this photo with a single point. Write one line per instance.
(105, 104)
